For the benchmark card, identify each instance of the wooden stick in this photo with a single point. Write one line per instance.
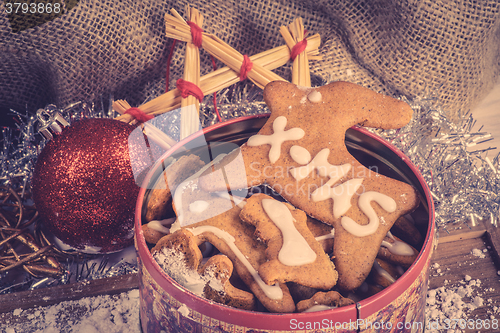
(153, 133)
(26, 259)
(66, 292)
(294, 34)
(190, 106)
(220, 79)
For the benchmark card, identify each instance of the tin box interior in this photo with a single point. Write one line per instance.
(366, 147)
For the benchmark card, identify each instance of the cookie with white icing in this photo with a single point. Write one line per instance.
(323, 301)
(323, 233)
(397, 252)
(384, 273)
(293, 254)
(221, 268)
(159, 198)
(407, 231)
(180, 257)
(214, 218)
(301, 153)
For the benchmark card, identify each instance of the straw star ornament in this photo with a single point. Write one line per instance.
(191, 88)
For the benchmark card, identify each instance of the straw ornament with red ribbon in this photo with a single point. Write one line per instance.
(139, 115)
(191, 93)
(246, 67)
(298, 49)
(220, 78)
(191, 88)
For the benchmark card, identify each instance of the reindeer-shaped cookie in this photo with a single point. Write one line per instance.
(300, 152)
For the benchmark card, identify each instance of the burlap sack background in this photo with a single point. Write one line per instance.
(443, 49)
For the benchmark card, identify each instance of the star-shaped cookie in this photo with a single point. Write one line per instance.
(300, 152)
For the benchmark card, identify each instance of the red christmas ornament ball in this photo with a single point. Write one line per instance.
(84, 187)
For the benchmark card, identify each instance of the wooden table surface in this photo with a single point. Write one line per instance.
(470, 254)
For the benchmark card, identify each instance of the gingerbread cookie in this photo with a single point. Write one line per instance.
(161, 194)
(293, 254)
(384, 274)
(214, 218)
(300, 152)
(323, 233)
(300, 292)
(323, 301)
(397, 252)
(367, 289)
(154, 230)
(406, 230)
(180, 257)
(221, 268)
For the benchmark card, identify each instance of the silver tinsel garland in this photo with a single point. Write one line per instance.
(465, 183)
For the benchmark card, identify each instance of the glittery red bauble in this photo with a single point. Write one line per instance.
(84, 187)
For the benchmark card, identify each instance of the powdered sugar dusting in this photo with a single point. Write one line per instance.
(458, 301)
(174, 264)
(478, 253)
(105, 313)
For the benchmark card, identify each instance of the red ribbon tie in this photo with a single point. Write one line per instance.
(298, 49)
(189, 88)
(196, 33)
(139, 115)
(246, 66)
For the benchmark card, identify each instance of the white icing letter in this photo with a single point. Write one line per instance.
(325, 169)
(277, 138)
(386, 202)
(341, 195)
(295, 250)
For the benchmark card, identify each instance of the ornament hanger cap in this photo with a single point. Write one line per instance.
(50, 121)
